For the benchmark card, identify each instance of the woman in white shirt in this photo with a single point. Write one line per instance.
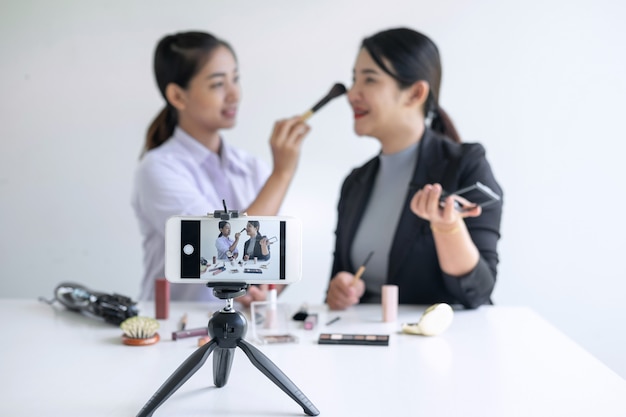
(226, 247)
(187, 168)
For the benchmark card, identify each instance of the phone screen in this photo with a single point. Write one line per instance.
(478, 194)
(203, 253)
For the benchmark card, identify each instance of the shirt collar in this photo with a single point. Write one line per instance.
(203, 155)
(196, 150)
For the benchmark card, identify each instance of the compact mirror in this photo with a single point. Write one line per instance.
(435, 320)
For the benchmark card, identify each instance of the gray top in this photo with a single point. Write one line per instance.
(380, 219)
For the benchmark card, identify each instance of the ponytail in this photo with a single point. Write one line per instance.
(442, 123)
(161, 128)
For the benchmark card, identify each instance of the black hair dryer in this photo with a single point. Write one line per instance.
(113, 308)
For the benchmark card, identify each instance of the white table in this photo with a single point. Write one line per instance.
(494, 361)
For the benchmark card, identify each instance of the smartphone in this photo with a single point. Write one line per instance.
(191, 254)
(477, 194)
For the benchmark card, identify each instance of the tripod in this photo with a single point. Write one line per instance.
(227, 328)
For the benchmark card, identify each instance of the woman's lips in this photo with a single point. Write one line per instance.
(230, 113)
(358, 113)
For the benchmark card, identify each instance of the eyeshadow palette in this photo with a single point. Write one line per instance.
(353, 339)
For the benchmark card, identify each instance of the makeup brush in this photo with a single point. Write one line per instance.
(361, 269)
(337, 90)
(140, 331)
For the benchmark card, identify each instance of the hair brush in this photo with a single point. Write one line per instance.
(140, 331)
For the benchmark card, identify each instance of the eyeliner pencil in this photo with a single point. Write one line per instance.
(183, 322)
(361, 269)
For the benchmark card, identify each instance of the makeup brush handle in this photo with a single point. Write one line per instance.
(358, 274)
(305, 116)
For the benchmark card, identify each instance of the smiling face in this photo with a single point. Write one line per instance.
(210, 101)
(381, 109)
(251, 230)
(225, 230)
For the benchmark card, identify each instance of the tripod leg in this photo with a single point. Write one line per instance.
(265, 365)
(222, 360)
(178, 378)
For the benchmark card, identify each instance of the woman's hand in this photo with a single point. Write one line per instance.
(425, 204)
(286, 142)
(343, 292)
(254, 293)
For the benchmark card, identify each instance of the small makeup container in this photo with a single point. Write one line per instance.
(310, 321)
(390, 303)
(162, 298)
(269, 320)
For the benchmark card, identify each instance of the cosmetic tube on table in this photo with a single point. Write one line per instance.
(390, 303)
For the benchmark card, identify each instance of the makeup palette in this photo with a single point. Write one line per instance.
(353, 339)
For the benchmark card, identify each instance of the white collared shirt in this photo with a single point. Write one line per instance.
(183, 177)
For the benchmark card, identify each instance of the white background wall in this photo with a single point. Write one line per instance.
(542, 84)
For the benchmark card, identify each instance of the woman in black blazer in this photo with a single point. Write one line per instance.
(391, 205)
(260, 247)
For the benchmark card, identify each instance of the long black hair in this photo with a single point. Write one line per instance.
(413, 57)
(177, 59)
(220, 226)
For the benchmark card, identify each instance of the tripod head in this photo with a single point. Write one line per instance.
(228, 290)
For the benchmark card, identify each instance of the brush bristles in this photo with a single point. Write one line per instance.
(139, 327)
(337, 90)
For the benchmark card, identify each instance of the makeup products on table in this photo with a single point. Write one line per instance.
(336, 90)
(279, 338)
(301, 314)
(359, 272)
(181, 334)
(162, 298)
(310, 322)
(203, 340)
(334, 320)
(435, 320)
(353, 339)
(390, 303)
(140, 331)
(183, 322)
(270, 320)
(270, 313)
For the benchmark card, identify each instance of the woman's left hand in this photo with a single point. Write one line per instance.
(425, 204)
(254, 293)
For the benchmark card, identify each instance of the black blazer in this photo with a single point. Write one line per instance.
(257, 249)
(415, 266)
